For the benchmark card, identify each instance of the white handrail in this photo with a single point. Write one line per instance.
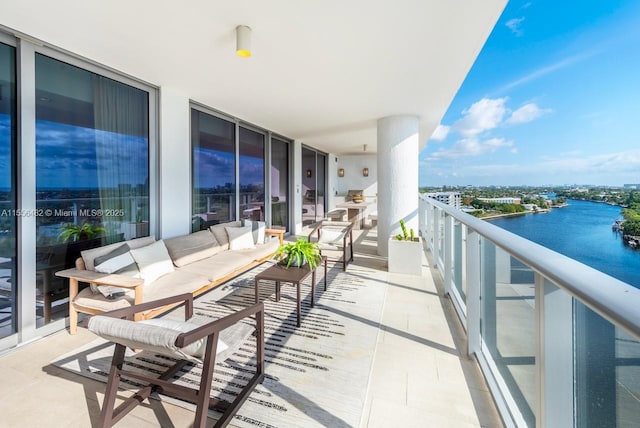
(615, 300)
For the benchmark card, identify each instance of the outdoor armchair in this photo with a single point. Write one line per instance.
(335, 239)
(184, 341)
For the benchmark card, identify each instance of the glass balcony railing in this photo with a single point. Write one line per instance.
(558, 341)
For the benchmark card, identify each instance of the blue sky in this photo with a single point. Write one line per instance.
(553, 98)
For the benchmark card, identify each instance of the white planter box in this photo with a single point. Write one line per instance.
(405, 256)
(134, 230)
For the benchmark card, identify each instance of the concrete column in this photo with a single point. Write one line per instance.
(398, 144)
(175, 164)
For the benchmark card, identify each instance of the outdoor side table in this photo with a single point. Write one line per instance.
(293, 275)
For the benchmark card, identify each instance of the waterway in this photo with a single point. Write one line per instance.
(582, 231)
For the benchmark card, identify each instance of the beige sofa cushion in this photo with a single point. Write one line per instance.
(177, 282)
(86, 298)
(191, 248)
(219, 266)
(89, 255)
(172, 284)
(259, 252)
(220, 232)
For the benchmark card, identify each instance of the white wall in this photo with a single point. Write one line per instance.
(353, 178)
(175, 164)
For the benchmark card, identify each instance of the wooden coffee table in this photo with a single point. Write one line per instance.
(293, 275)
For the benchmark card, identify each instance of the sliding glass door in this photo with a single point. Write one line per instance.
(92, 171)
(213, 142)
(251, 173)
(8, 132)
(279, 184)
(229, 172)
(313, 186)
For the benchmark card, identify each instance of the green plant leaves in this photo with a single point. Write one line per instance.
(73, 232)
(299, 251)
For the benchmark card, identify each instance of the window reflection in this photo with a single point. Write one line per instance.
(251, 175)
(279, 183)
(92, 171)
(214, 182)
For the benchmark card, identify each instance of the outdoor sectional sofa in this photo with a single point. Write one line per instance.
(193, 263)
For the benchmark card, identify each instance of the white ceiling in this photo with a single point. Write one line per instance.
(321, 71)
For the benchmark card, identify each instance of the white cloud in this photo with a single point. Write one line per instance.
(470, 147)
(570, 167)
(475, 125)
(526, 113)
(543, 71)
(483, 115)
(514, 25)
(440, 133)
(611, 164)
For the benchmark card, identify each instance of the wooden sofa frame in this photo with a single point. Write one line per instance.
(81, 274)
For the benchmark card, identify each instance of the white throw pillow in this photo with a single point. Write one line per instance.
(153, 261)
(258, 229)
(240, 238)
(331, 236)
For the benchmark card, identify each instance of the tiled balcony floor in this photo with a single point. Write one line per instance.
(420, 377)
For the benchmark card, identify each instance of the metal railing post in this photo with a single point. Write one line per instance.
(473, 292)
(422, 221)
(448, 253)
(436, 237)
(554, 355)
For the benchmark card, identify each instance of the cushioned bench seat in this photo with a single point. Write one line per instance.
(143, 269)
(178, 282)
(215, 268)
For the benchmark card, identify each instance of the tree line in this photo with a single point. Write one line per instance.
(631, 214)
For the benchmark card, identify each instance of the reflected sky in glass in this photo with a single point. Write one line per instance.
(70, 157)
(216, 168)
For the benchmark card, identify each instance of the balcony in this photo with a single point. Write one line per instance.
(557, 341)
(493, 317)
(420, 373)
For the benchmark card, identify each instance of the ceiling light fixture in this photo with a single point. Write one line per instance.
(243, 41)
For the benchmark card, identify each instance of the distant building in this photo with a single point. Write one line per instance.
(453, 199)
(507, 200)
(631, 186)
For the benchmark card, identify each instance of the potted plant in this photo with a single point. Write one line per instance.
(73, 232)
(298, 253)
(405, 252)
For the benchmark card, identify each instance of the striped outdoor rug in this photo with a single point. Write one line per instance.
(316, 374)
